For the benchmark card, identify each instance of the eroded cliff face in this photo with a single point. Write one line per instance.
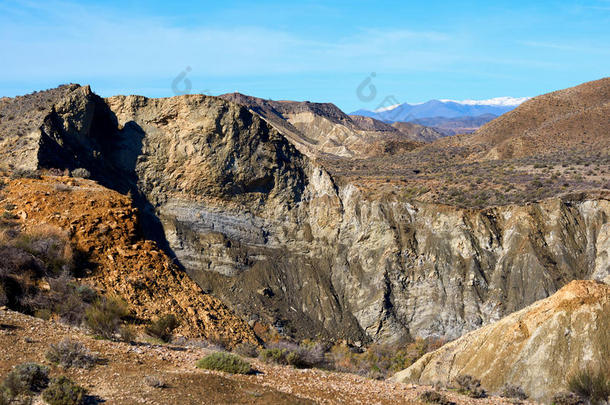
(268, 230)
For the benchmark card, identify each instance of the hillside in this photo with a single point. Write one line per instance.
(568, 121)
(103, 229)
(320, 129)
(537, 348)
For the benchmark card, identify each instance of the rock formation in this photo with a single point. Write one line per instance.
(321, 129)
(257, 219)
(537, 348)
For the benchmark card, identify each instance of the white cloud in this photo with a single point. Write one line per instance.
(74, 40)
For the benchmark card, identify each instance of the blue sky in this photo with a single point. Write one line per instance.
(317, 51)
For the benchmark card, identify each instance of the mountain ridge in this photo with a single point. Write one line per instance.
(443, 108)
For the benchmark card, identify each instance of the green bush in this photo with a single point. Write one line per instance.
(163, 327)
(26, 379)
(226, 362)
(591, 385)
(103, 317)
(68, 353)
(274, 355)
(63, 391)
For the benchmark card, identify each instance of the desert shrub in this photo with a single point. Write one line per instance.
(433, 397)
(274, 355)
(379, 361)
(103, 317)
(61, 187)
(127, 333)
(306, 355)
(68, 353)
(566, 398)
(5, 397)
(246, 349)
(86, 293)
(512, 391)
(591, 385)
(26, 379)
(81, 172)
(163, 327)
(226, 362)
(154, 381)
(63, 391)
(25, 174)
(49, 244)
(468, 385)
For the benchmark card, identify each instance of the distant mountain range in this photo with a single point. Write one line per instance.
(443, 108)
(448, 117)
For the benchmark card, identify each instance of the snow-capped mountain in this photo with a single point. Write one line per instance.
(443, 108)
(497, 101)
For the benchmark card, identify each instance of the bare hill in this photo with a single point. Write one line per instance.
(574, 118)
(537, 348)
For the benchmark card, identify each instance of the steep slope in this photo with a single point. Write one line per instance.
(536, 348)
(103, 226)
(577, 118)
(319, 129)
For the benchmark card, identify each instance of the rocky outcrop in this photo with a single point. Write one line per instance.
(321, 130)
(537, 348)
(103, 228)
(264, 227)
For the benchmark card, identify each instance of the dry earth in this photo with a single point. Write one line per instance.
(120, 377)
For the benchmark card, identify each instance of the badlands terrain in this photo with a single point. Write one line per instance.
(154, 232)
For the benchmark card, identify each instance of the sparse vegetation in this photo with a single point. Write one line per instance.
(247, 349)
(513, 391)
(26, 379)
(300, 356)
(103, 317)
(591, 385)
(163, 327)
(566, 398)
(227, 362)
(468, 385)
(25, 174)
(379, 361)
(81, 172)
(433, 397)
(68, 353)
(154, 381)
(63, 391)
